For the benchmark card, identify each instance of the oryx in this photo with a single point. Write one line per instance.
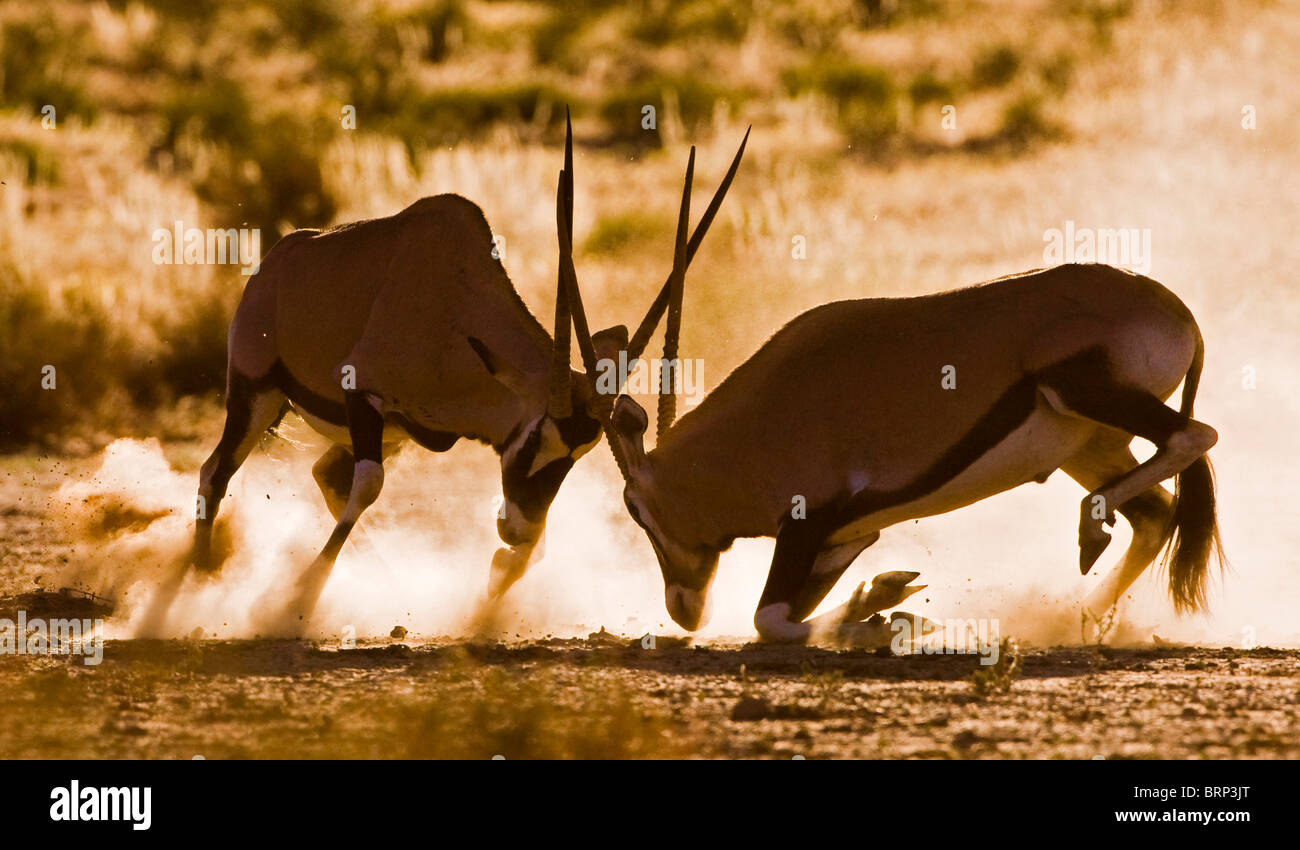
(861, 414)
(408, 327)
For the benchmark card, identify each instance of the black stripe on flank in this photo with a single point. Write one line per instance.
(336, 413)
(1008, 413)
(799, 540)
(331, 411)
(1085, 382)
(434, 441)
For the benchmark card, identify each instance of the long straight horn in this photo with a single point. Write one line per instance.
(560, 405)
(672, 332)
(647, 327)
(569, 281)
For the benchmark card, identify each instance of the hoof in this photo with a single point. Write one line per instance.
(873, 633)
(917, 627)
(887, 590)
(1091, 545)
(508, 566)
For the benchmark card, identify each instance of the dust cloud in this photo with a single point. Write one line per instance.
(1012, 558)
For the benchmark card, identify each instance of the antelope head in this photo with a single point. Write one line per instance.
(687, 569)
(540, 454)
(688, 565)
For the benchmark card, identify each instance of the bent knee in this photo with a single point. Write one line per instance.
(1194, 440)
(367, 481)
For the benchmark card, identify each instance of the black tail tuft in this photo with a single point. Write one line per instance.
(1194, 527)
(1194, 536)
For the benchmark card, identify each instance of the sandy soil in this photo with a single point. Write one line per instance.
(602, 697)
(605, 695)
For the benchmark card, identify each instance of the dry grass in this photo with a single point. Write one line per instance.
(1111, 114)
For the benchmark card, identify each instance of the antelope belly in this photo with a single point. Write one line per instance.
(1032, 451)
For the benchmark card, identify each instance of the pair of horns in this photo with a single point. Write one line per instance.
(568, 300)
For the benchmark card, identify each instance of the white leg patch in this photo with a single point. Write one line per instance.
(773, 623)
(367, 481)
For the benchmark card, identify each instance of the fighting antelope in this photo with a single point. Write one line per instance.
(408, 327)
(846, 411)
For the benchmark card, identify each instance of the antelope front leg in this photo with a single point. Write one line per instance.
(803, 571)
(366, 426)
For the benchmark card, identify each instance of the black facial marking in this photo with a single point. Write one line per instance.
(533, 494)
(579, 429)
(483, 354)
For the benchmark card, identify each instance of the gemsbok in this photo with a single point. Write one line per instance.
(858, 415)
(408, 327)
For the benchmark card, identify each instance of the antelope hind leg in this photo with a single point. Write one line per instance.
(1104, 460)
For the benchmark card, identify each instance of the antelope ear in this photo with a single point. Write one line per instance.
(609, 342)
(498, 368)
(630, 422)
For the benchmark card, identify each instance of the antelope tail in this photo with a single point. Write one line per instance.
(1193, 532)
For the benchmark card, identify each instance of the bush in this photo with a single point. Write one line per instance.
(865, 97)
(995, 67)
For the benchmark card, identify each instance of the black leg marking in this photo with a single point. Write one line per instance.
(799, 540)
(797, 544)
(366, 427)
(1087, 386)
(820, 583)
(1152, 508)
(333, 474)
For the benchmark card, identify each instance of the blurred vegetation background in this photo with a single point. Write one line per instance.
(231, 114)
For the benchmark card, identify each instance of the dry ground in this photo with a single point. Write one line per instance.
(601, 697)
(1153, 138)
(606, 696)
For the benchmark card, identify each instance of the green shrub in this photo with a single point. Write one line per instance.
(618, 232)
(38, 163)
(995, 67)
(928, 88)
(695, 98)
(865, 97)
